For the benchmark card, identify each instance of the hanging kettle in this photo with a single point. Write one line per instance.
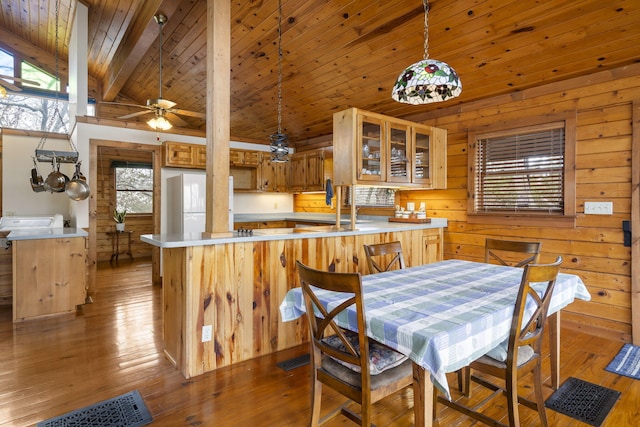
(77, 189)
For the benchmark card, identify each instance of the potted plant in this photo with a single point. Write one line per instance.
(118, 217)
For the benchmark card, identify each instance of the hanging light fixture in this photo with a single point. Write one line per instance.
(427, 80)
(160, 122)
(279, 141)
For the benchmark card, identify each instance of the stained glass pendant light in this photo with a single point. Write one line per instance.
(279, 141)
(428, 80)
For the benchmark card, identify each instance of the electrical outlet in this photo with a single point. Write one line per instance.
(207, 331)
(598, 208)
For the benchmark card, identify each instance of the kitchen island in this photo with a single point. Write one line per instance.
(49, 272)
(234, 285)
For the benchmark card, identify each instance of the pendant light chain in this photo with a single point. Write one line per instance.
(279, 142)
(426, 28)
(279, 66)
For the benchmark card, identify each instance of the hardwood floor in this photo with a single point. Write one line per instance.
(50, 367)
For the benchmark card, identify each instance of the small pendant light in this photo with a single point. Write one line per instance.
(279, 141)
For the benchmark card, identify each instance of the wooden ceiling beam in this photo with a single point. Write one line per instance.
(142, 35)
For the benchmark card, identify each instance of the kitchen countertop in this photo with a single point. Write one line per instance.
(364, 226)
(46, 233)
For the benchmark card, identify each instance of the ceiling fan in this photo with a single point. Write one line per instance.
(162, 109)
(5, 83)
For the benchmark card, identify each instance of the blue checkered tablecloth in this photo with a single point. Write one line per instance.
(442, 315)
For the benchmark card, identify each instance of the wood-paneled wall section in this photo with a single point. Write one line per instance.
(105, 203)
(594, 248)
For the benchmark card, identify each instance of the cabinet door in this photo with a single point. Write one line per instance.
(422, 152)
(235, 157)
(268, 174)
(314, 176)
(298, 171)
(282, 177)
(179, 155)
(251, 158)
(399, 153)
(201, 156)
(429, 157)
(370, 150)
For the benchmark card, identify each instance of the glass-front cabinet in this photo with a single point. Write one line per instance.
(399, 143)
(373, 149)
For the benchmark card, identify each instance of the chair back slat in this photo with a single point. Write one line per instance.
(528, 329)
(382, 252)
(505, 252)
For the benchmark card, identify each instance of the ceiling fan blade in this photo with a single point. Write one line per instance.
(10, 86)
(124, 104)
(165, 104)
(132, 115)
(175, 119)
(18, 79)
(188, 113)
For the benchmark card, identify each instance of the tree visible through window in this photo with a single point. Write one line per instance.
(37, 106)
(134, 187)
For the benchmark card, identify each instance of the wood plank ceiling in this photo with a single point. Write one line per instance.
(337, 53)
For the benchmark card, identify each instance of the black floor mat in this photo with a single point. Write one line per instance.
(296, 362)
(127, 410)
(584, 401)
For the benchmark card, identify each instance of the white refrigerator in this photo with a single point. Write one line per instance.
(186, 203)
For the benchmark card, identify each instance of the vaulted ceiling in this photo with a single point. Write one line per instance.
(336, 53)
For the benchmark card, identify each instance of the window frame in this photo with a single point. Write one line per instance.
(564, 219)
(116, 164)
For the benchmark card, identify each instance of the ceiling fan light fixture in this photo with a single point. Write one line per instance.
(160, 123)
(428, 80)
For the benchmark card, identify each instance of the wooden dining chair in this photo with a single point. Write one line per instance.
(520, 353)
(504, 252)
(361, 369)
(382, 252)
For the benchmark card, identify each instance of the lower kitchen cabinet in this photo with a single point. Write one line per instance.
(49, 277)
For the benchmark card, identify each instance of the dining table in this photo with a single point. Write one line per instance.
(444, 315)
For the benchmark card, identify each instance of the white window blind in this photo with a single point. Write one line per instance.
(521, 172)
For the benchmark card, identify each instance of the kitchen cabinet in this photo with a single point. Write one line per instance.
(274, 176)
(49, 276)
(244, 158)
(373, 149)
(183, 155)
(311, 169)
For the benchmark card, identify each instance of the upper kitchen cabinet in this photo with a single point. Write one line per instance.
(373, 149)
(183, 155)
(244, 158)
(274, 176)
(310, 170)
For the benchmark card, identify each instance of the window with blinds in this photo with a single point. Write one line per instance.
(521, 171)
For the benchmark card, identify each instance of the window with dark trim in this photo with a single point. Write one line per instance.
(134, 186)
(523, 172)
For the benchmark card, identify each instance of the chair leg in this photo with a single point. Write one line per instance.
(434, 414)
(537, 383)
(316, 399)
(511, 383)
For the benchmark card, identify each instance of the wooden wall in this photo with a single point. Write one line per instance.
(594, 249)
(139, 224)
